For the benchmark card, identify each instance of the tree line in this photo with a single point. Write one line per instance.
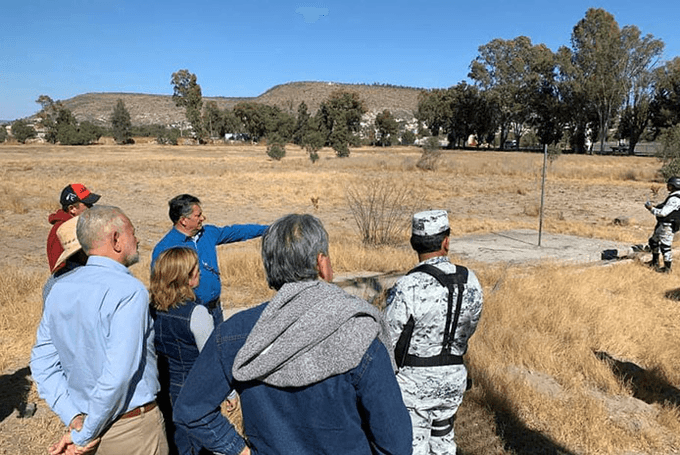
(610, 78)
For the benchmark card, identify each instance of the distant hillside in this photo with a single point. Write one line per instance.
(159, 109)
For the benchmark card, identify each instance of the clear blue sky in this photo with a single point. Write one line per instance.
(63, 48)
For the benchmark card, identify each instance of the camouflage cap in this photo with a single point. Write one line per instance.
(431, 222)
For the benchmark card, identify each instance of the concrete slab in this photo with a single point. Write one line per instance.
(521, 246)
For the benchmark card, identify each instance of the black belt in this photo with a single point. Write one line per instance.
(434, 361)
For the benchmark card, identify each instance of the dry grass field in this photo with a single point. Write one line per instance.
(568, 359)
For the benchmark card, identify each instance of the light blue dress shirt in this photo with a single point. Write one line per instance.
(94, 352)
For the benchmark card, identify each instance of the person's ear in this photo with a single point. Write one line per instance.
(445, 244)
(116, 242)
(323, 265)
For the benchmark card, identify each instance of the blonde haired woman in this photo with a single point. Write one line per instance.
(181, 325)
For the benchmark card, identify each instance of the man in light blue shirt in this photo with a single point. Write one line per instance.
(94, 360)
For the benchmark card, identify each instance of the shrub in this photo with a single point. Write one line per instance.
(276, 149)
(429, 160)
(381, 210)
(408, 138)
(341, 149)
(3, 133)
(168, 136)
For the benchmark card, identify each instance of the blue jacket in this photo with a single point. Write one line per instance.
(357, 412)
(205, 243)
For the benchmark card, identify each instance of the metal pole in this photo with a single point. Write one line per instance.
(540, 222)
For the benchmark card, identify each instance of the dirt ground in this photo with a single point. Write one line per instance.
(504, 201)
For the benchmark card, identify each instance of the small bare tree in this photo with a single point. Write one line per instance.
(382, 209)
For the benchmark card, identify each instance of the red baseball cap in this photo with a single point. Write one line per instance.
(77, 192)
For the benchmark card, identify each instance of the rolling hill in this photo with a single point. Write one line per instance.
(147, 109)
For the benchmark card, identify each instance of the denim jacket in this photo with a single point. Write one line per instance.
(357, 412)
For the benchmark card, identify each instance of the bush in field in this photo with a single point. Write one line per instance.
(408, 137)
(22, 131)
(276, 148)
(168, 136)
(381, 210)
(3, 133)
(429, 160)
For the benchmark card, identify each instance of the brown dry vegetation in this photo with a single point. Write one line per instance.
(567, 358)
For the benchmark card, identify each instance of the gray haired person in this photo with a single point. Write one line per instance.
(311, 365)
(94, 360)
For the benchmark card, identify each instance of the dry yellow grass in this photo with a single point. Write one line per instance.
(539, 386)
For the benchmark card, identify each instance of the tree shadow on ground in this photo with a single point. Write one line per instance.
(14, 389)
(649, 386)
(490, 425)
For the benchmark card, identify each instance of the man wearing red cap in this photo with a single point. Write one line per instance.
(75, 199)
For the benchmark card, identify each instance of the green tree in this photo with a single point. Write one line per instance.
(501, 69)
(670, 152)
(665, 108)
(22, 131)
(431, 109)
(582, 124)
(253, 118)
(340, 115)
(279, 123)
(214, 120)
(642, 54)
(386, 127)
(301, 123)
(47, 115)
(3, 133)
(121, 123)
(600, 62)
(313, 138)
(187, 94)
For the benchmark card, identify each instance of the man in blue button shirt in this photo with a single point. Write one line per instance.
(188, 231)
(94, 360)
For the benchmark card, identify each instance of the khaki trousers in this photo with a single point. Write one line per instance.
(140, 435)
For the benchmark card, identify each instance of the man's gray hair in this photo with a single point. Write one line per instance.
(97, 223)
(290, 248)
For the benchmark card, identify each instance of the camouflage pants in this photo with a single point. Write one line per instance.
(662, 241)
(432, 394)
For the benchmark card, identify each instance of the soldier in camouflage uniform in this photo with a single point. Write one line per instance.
(667, 223)
(431, 373)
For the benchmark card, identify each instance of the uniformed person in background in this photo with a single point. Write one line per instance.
(432, 312)
(667, 224)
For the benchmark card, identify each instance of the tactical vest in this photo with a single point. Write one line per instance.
(673, 217)
(448, 280)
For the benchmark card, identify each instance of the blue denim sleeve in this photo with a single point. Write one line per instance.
(385, 416)
(197, 409)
